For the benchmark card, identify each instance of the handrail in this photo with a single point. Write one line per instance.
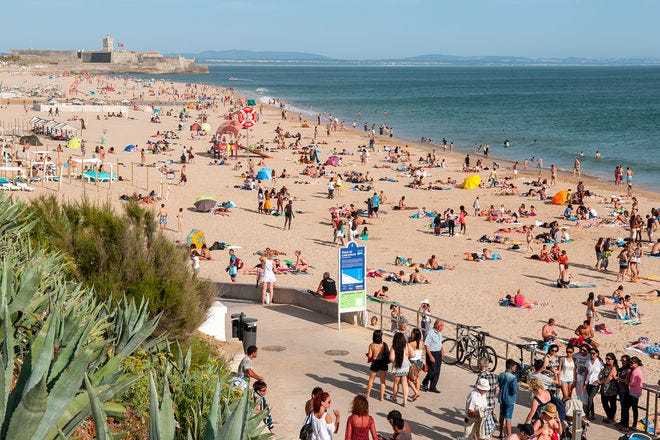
(650, 405)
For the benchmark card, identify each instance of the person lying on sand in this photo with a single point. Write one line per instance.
(270, 252)
(382, 293)
(417, 277)
(615, 298)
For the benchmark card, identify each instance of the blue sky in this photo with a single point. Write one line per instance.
(343, 28)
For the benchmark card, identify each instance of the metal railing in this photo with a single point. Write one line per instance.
(649, 409)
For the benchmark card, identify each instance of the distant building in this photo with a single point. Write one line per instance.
(118, 60)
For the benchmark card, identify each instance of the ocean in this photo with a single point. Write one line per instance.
(551, 113)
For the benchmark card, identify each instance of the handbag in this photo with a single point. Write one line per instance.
(307, 430)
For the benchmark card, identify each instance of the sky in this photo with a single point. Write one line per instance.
(347, 29)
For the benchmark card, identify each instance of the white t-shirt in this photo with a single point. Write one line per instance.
(476, 401)
(593, 370)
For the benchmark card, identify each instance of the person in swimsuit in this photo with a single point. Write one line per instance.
(378, 354)
(162, 217)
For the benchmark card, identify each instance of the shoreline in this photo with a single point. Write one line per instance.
(458, 152)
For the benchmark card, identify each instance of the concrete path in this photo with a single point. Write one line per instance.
(300, 349)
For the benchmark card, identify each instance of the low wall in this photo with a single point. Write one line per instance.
(285, 295)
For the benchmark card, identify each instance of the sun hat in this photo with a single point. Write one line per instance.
(483, 384)
(551, 410)
(425, 301)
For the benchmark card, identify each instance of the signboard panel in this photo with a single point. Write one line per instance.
(352, 279)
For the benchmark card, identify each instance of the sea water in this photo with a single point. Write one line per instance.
(553, 113)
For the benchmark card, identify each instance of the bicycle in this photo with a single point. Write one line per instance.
(469, 346)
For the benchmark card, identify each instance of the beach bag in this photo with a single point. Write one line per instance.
(307, 430)
(572, 406)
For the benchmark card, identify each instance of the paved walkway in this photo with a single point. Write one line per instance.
(300, 349)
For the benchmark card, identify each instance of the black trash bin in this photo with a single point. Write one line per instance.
(237, 325)
(249, 332)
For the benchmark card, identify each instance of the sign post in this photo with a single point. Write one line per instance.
(352, 295)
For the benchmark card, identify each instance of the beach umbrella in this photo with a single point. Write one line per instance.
(205, 203)
(560, 198)
(196, 237)
(265, 174)
(195, 127)
(206, 127)
(472, 182)
(30, 140)
(74, 142)
(130, 148)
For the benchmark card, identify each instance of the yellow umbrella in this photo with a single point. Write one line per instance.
(74, 142)
(206, 127)
(196, 237)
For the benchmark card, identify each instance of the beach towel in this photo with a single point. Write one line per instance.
(581, 285)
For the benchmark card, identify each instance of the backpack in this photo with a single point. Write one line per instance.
(307, 430)
(238, 263)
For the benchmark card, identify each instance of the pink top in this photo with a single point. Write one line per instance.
(636, 382)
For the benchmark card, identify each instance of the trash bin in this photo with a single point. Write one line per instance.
(237, 325)
(249, 332)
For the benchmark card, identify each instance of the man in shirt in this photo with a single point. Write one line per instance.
(508, 396)
(245, 370)
(491, 395)
(433, 343)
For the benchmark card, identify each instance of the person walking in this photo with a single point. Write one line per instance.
(592, 383)
(378, 355)
(288, 214)
(635, 385)
(608, 386)
(360, 425)
(323, 424)
(493, 382)
(267, 279)
(508, 396)
(416, 361)
(400, 359)
(433, 342)
(479, 423)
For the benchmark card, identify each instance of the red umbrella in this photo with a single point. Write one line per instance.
(195, 127)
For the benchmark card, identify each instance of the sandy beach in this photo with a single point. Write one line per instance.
(469, 293)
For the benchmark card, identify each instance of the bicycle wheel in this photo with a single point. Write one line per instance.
(484, 352)
(452, 351)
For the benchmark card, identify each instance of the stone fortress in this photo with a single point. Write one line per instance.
(106, 59)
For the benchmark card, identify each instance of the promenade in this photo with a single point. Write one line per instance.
(300, 349)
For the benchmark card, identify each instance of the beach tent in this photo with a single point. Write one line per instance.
(472, 182)
(130, 148)
(196, 237)
(74, 142)
(30, 140)
(195, 127)
(264, 174)
(333, 161)
(206, 127)
(205, 203)
(229, 128)
(560, 198)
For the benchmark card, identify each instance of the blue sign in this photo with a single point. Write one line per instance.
(352, 268)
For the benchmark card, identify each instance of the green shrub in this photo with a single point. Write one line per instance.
(122, 254)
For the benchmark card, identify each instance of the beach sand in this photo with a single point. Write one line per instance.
(468, 294)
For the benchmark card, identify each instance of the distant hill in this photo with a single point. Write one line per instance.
(249, 55)
(526, 61)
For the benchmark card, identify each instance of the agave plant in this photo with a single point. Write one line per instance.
(53, 333)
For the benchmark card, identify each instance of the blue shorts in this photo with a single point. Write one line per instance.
(506, 410)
